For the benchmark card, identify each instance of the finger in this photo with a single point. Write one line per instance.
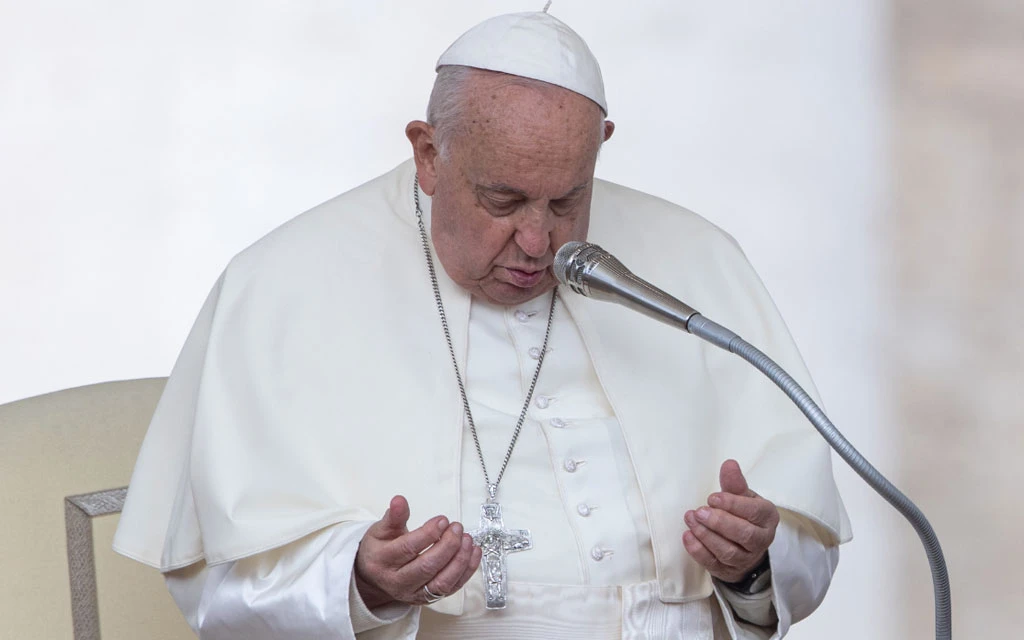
(743, 533)
(729, 554)
(756, 510)
(700, 553)
(405, 548)
(428, 564)
(446, 582)
(474, 564)
(731, 479)
(393, 523)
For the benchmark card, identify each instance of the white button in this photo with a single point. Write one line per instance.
(522, 316)
(571, 465)
(534, 353)
(597, 553)
(543, 402)
(558, 423)
(583, 509)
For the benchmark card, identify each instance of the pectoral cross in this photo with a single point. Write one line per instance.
(497, 542)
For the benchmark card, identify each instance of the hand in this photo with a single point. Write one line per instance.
(730, 537)
(393, 564)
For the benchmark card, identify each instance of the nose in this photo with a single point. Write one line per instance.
(533, 234)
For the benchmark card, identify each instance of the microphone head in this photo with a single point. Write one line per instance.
(574, 262)
(564, 259)
(590, 271)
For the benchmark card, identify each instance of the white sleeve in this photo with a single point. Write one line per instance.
(802, 567)
(303, 590)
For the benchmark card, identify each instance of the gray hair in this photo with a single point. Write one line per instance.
(447, 105)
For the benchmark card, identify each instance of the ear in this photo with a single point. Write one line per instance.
(609, 129)
(424, 152)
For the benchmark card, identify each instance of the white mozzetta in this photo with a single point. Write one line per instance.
(318, 350)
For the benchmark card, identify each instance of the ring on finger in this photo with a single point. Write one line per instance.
(431, 596)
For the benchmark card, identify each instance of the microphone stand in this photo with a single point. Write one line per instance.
(589, 270)
(721, 337)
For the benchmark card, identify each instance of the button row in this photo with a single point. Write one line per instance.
(570, 465)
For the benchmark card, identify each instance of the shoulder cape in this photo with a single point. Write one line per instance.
(316, 384)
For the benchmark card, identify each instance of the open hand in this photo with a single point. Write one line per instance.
(393, 564)
(730, 537)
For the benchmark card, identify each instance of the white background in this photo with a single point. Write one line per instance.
(143, 144)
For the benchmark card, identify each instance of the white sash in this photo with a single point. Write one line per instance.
(543, 612)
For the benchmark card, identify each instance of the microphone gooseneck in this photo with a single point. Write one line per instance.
(589, 270)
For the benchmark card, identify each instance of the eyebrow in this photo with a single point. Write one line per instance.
(501, 187)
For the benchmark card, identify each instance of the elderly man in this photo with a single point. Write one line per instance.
(335, 371)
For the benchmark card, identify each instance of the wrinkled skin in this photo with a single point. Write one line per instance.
(515, 185)
(730, 536)
(393, 563)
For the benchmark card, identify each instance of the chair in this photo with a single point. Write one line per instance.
(65, 458)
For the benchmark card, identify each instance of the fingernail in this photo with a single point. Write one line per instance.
(688, 518)
(467, 542)
(703, 513)
(715, 500)
(442, 524)
(457, 529)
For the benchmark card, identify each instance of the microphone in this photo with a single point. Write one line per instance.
(589, 270)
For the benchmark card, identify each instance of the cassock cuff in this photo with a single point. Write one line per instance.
(756, 608)
(363, 619)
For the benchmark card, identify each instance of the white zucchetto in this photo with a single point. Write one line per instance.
(533, 45)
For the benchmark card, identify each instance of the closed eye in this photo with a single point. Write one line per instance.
(564, 206)
(502, 206)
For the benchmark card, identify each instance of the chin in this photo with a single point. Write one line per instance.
(508, 294)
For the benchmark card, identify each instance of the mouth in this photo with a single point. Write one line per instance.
(525, 278)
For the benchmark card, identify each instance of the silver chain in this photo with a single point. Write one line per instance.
(492, 489)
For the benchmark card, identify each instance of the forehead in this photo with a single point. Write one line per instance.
(493, 99)
(528, 136)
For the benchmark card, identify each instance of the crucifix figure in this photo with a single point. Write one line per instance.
(497, 542)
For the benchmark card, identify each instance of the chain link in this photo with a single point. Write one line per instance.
(492, 488)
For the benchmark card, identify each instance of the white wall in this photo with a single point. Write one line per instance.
(143, 144)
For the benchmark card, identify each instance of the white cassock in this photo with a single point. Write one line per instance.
(280, 438)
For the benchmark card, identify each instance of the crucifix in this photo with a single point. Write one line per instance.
(497, 542)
